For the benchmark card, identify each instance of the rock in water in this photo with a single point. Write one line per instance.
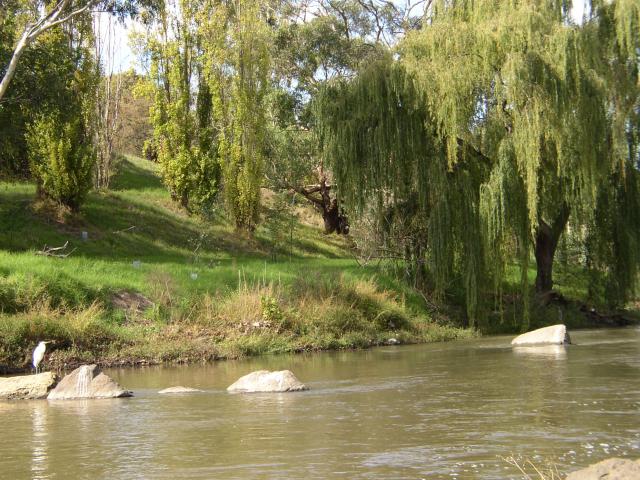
(266, 381)
(611, 469)
(553, 335)
(27, 387)
(179, 389)
(87, 381)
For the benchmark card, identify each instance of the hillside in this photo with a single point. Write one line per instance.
(153, 284)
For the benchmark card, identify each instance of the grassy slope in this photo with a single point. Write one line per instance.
(248, 298)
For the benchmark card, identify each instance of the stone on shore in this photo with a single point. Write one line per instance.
(266, 381)
(610, 469)
(553, 335)
(87, 381)
(179, 389)
(27, 387)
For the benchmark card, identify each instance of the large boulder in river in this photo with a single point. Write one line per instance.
(266, 381)
(611, 469)
(87, 381)
(553, 335)
(180, 389)
(27, 387)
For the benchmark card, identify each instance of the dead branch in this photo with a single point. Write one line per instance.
(132, 227)
(56, 251)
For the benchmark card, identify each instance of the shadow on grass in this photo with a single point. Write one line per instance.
(132, 177)
(122, 227)
(159, 235)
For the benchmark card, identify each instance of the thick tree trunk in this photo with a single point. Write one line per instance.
(335, 221)
(546, 243)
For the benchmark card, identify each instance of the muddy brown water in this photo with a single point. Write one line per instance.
(448, 410)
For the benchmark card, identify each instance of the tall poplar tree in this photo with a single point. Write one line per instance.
(182, 104)
(239, 80)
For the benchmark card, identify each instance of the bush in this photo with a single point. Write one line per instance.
(150, 150)
(61, 158)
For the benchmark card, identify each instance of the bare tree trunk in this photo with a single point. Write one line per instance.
(13, 64)
(546, 243)
(108, 101)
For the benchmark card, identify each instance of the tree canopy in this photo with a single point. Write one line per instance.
(548, 106)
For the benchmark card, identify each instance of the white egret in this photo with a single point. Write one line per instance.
(38, 354)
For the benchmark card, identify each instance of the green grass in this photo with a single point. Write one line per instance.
(251, 296)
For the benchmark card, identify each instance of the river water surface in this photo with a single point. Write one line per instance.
(448, 410)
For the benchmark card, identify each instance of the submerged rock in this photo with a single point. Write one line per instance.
(87, 381)
(553, 335)
(266, 381)
(557, 352)
(611, 469)
(179, 389)
(27, 387)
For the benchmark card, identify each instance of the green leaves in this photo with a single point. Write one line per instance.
(62, 159)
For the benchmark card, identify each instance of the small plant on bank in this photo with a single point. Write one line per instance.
(531, 471)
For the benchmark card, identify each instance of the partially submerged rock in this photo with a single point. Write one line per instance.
(27, 387)
(553, 335)
(87, 381)
(610, 469)
(179, 389)
(266, 381)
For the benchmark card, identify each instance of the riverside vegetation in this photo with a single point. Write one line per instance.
(267, 294)
(490, 182)
(251, 295)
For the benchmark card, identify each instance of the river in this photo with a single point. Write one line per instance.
(448, 410)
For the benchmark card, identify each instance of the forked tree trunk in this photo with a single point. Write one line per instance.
(335, 221)
(546, 243)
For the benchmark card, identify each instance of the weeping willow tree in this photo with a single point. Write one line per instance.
(381, 141)
(236, 45)
(547, 100)
(536, 110)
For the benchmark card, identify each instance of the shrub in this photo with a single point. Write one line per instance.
(61, 158)
(150, 150)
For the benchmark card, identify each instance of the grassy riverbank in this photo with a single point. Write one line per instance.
(153, 284)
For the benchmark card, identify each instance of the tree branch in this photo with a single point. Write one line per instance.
(31, 32)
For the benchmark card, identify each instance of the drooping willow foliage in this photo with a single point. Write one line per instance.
(539, 113)
(381, 142)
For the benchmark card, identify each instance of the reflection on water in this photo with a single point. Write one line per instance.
(557, 352)
(432, 411)
(39, 450)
